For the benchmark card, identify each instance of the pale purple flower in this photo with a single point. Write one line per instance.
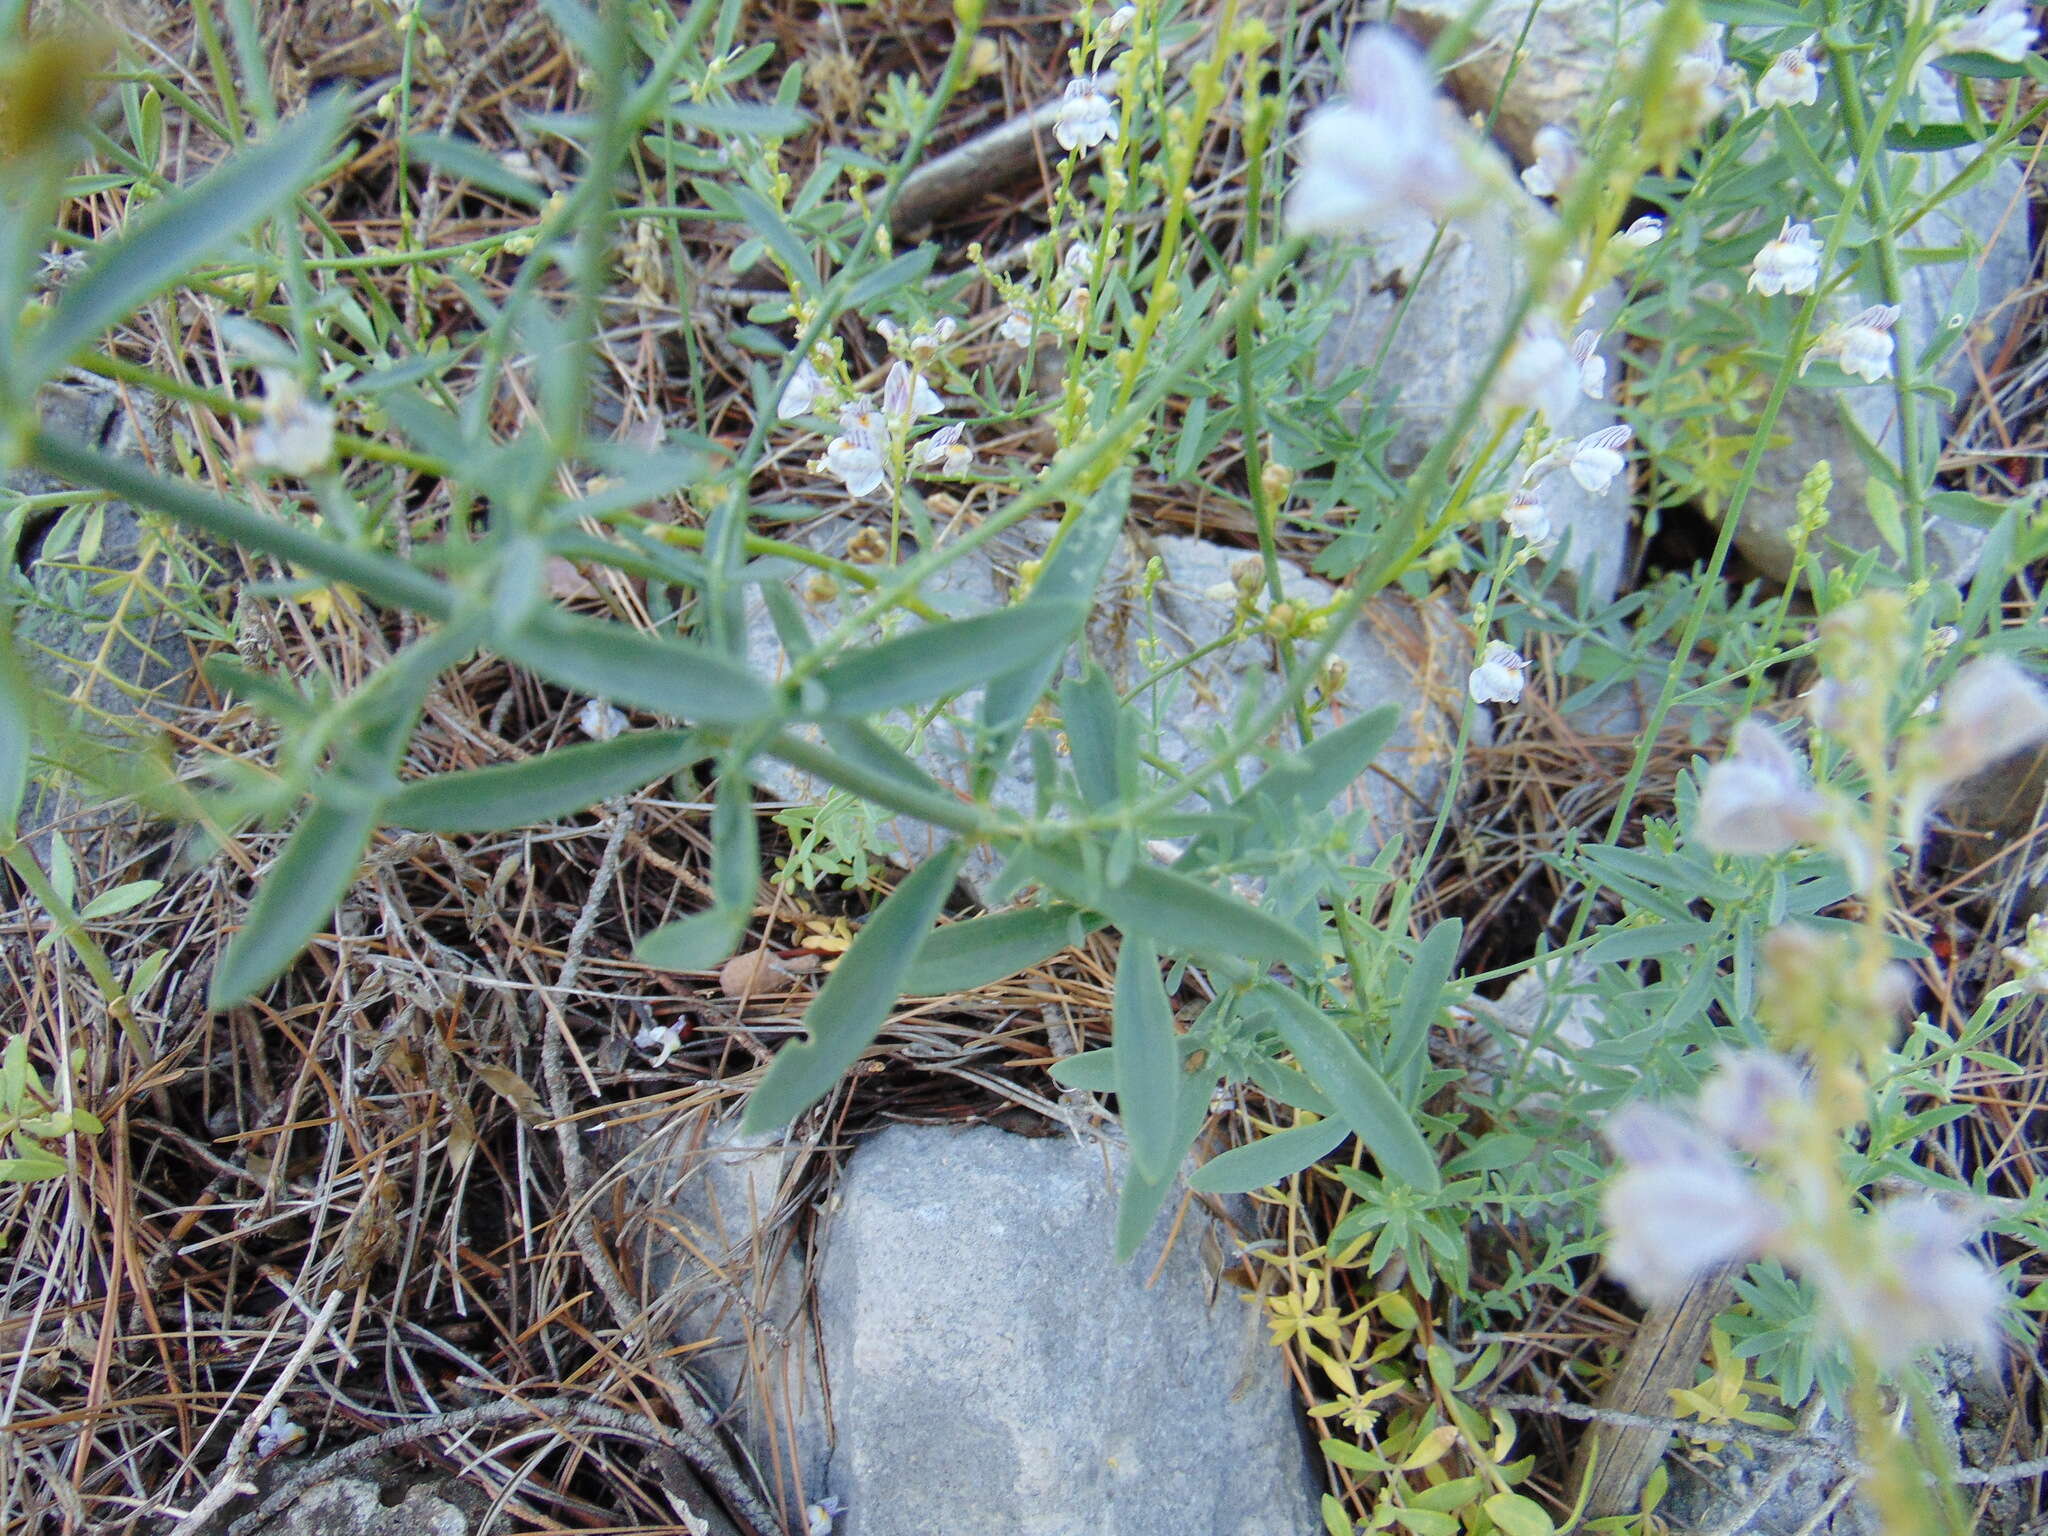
(1592, 366)
(1539, 375)
(294, 435)
(1757, 799)
(906, 396)
(1392, 142)
(1922, 1286)
(1085, 116)
(1498, 677)
(278, 1433)
(1861, 345)
(1788, 263)
(1679, 1207)
(1642, 234)
(945, 451)
(1793, 80)
(1595, 459)
(1991, 710)
(1557, 162)
(599, 720)
(855, 458)
(2004, 29)
(1752, 1098)
(659, 1041)
(1527, 519)
(806, 388)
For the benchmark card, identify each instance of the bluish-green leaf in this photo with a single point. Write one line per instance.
(17, 732)
(940, 660)
(1362, 1097)
(1088, 1071)
(1176, 911)
(544, 788)
(708, 938)
(465, 160)
(1270, 1160)
(963, 956)
(1654, 939)
(1147, 1059)
(739, 119)
(610, 661)
(1089, 709)
(1139, 1204)
(1072, 571)
(163, 245)
(1304, 782)
(1408, 1039)
(900, 272)
(1754, 13)
(847, 1015)
(1931, 138)
(774, 230)
(300, 892)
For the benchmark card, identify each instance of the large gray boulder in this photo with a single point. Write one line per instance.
(995, 1370)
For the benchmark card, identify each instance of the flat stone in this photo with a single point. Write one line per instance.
(995, 1370)
(1396, 652)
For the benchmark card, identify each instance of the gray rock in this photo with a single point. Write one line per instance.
(90, 623)
(721, 1262)
(1456, 306)
(1826, 423)
(392, 1501)
(1572, 45)
(1395, 652)
(994, 1370)
(1995, 813)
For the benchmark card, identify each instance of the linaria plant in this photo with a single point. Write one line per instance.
(776, 586)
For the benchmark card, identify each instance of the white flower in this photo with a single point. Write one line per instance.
(277, 1433)
(1642, 234)
(1861, 345)
(945, 450)
(659, 1041)
(818, 1517)
(1392, 142)
(906, 396)
(2029, 958)
(1679, 1207)
(855, 458)
(294, 435)
(1793, 80)
(1592, 366)
(1085, 116)
(1527, 519)
(1752, 1098)
(1116, 23)
(1016, 328)
(599, 721)
(1923, 1286)
(1498, 677)
(2002, 29)
(806, 388)
(1991, 710)
(1539, 375)
(1557, 162)
(1077, 265)
(1595, 459)
(1757, 800)
(1788, 263)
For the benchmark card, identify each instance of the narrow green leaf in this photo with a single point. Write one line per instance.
(610, 661)
(773, 229)
(1072, 571)
(121, 898)
(1984, 66)
(940, 660)
(900, 272)
(1270, 1160)
(847, 1015)
(1139, 1204)
(1408, 1039)
(1754, 13)
(17, 733)
(1361, 1095)
(1518, 1516)
(1175, 911)
(739, 119)
(1302, 783)
(1147, 1058)
(543, 789)
(1619, 944)
(1930, 138)
(1088, 710)
(464, 160)
(708, 938)
(168, 240)
(300, 893)
(1089, 1071)
(963, 956)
